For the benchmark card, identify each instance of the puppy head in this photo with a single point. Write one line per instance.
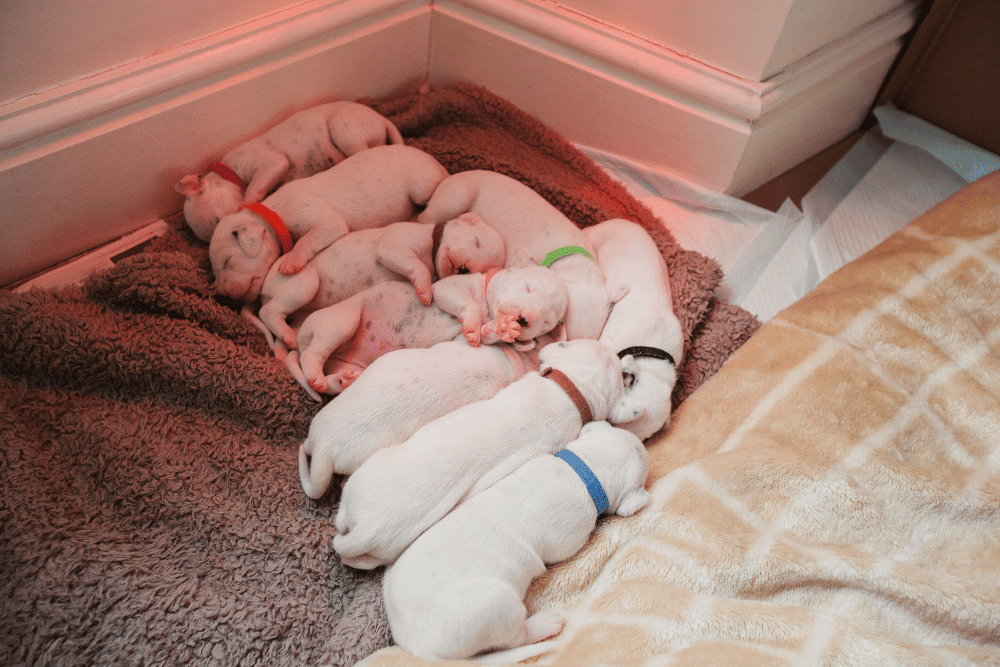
(590, 305)
(469, 245)
(241, 250)
(645, 404)
(534, 296)
(593, 367)
(207, 199)
(619, 461)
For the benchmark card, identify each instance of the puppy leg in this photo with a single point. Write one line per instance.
(323, 332)
(487, 614)
(541, 626)
(268, 175)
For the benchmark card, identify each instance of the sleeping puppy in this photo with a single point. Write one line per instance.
(373, 188)
(642, 323)
(526, 220)
(459, 588)
(360, 260)
(337, 343)
(306, 143)
(516, 305)
(396, 395)
(403, 489)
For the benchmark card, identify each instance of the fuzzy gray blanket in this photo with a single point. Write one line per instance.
(150, 510)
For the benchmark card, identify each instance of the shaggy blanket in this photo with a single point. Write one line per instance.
(832, 495)
(151, 511)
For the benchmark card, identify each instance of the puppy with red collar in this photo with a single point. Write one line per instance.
(306, 143)
(373, 188)
(403, 489)
(459, 588)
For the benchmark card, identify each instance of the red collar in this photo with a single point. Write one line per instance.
(228, 174)
(273, 219)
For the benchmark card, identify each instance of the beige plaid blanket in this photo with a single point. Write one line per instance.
(832, 495)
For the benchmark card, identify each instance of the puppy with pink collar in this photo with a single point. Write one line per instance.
(306, 143)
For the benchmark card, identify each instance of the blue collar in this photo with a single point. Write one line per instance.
(589, 478)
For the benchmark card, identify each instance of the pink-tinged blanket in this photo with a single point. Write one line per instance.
(832, 495)
(150, 507)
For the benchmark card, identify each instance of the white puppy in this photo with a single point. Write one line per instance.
(337, 343)
(459, 588)
(398, 394)
(360, 260)
(642, 323)
(526, 220)
(306, 143)
(403, 489)
(517, 304)
(373, 188)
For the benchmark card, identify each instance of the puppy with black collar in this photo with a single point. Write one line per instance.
(403, 489)
(642, 324)
(459, 588)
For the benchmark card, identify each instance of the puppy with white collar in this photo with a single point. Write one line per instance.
(404, 489)
(459, 588)
(642, 323)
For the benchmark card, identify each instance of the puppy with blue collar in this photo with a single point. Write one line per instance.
(459, 589)
(402, 490)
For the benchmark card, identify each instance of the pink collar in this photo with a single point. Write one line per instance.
(273, 219)
(229, 175)
(489, 275)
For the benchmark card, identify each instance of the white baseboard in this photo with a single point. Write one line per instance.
(609, 89)
(87, 162)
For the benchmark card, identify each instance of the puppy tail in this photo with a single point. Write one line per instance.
(315, 478)
(518, 654)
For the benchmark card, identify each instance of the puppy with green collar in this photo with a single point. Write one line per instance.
(530, 224)
(459, 588)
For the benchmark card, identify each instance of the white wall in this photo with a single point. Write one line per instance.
(753, 39)
(44, 43)
(96, 157)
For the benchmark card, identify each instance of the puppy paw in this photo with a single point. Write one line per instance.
(347, 377)
(424, 292)
(472, 334)
(542, 625)
(318, 383)
(507, 326)
(290, 264)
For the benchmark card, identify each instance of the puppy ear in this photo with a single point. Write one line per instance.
(625, 409)
(250, 238)
(189, 185)
(524, 346)
(633, 502)
(523, 258)
(616, 291)
(470, 218)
